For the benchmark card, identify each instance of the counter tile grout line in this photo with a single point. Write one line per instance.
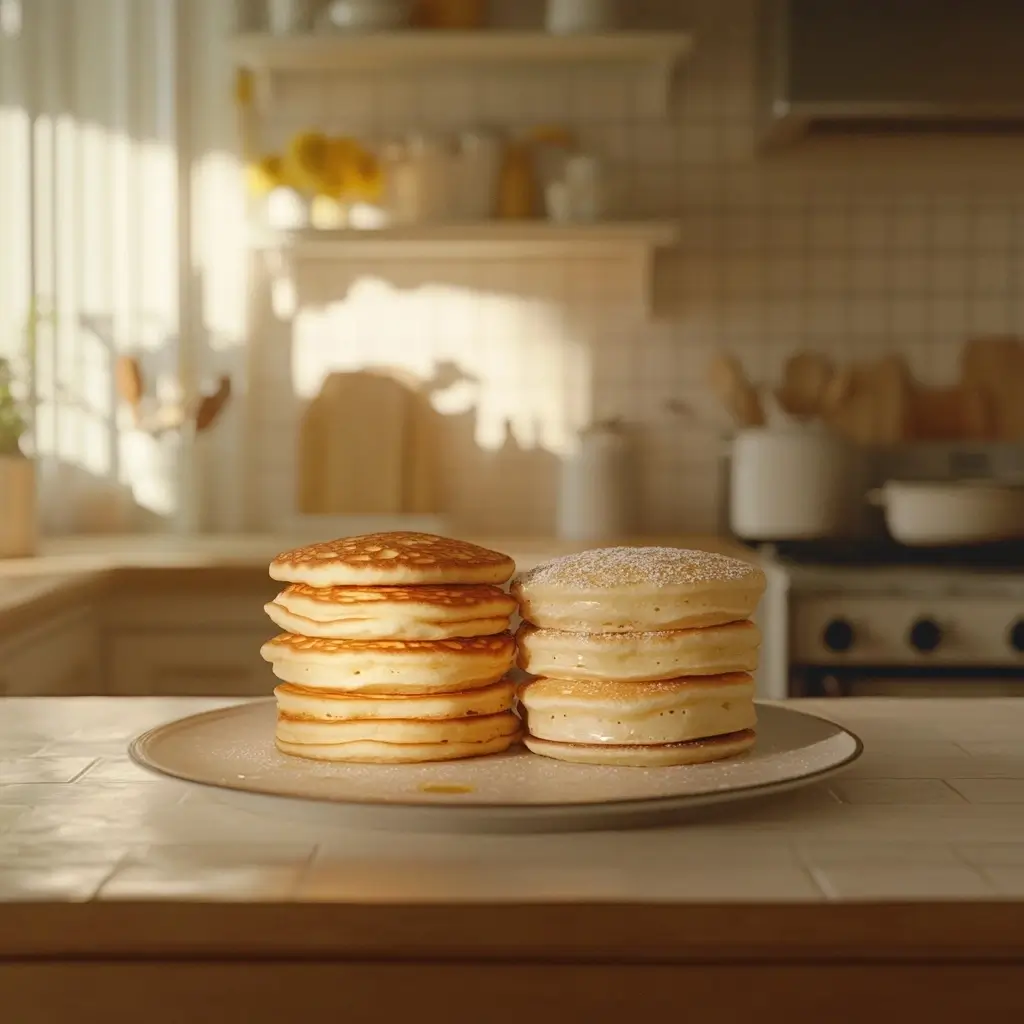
(114, 868)
(813, 879)
(303, 874)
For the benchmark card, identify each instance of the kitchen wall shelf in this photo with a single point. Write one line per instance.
(631, 243)
(498, 239)
(655, 54)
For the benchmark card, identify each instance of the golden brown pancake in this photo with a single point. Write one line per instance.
(325, 706)
(405, 731)
(375, 752)
(695, 752)
(428, 612)
(638, 589)
(390, 666)
(391, 559)
(639, 657)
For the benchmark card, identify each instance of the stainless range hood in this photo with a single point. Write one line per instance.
(906, 66)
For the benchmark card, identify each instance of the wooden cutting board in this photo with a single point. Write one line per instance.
(867, 403)
(353, 450)
(995, 366)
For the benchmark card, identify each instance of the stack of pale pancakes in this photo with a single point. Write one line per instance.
(396, 650)
(642, 656)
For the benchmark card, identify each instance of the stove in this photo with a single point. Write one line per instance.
(873, 617)
(870, 616)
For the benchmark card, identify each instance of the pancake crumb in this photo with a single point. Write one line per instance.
(625, 566)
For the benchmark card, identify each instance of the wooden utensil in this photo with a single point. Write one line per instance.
(847, 405)
(129, 382)
(732, 388)
(211, 406)
(868, 403)
(890, 383)
(995, 366)
(805, 377)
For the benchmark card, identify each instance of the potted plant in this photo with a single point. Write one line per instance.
(17, 472)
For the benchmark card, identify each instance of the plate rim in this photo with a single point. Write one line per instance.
(629, 804)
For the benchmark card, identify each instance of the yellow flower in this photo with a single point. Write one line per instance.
(308, 160)
(265, 175)
(366, 179)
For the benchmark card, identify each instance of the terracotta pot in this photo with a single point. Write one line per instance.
(451, 14)
(17, 506)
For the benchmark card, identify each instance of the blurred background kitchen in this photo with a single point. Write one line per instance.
(716, 271)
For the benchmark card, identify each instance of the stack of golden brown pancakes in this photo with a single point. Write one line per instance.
(396, 650)
(641, 656)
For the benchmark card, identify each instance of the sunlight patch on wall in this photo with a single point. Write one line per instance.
(219, 248)
(513, 359)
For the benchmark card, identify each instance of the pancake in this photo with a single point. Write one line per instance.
(429, 612)
(667, 755)
(637, 714)
(397, 731)
(324, 706)
(390, 666)
(637, 590)
(391, 559)
(629, 657)
(374, 752)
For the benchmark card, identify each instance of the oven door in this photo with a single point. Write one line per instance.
(886, 681)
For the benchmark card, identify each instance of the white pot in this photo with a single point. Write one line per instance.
(925, 514)
(569, 17)
(794, 483)
(17, 507)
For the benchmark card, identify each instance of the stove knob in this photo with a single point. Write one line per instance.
(925, 635)
(1017, 636)
(838, 636)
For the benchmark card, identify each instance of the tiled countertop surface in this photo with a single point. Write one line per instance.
(933, 811)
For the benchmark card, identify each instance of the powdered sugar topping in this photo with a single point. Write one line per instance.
(601, 568)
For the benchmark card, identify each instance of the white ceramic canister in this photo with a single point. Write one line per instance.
(592, 486)
(429, 165)
(570, 17)
(478, 164)
(795, 483)
(289, 17)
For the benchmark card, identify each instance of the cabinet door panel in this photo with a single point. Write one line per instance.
(58, 659)
(190, 663)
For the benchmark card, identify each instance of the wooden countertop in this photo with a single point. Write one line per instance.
(70, 569)
(896, 884)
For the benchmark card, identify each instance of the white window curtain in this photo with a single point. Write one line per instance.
(116, 135)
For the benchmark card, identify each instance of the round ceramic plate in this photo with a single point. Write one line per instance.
(232, 750)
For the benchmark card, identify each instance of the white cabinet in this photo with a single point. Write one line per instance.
(188, 642)
(195, 639)
(189, 663)
(58, 658)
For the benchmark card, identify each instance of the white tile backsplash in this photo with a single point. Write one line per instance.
(855, 245)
